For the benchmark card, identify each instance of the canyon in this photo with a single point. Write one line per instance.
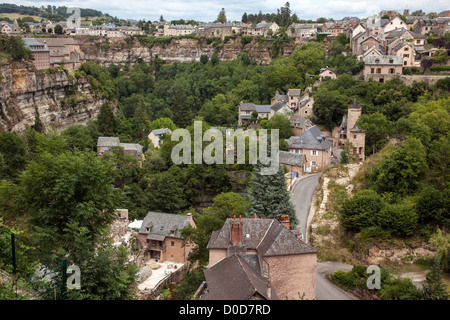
(60, 99)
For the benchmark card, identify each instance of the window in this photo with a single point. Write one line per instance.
(405, 63)
(306, 111)
(172, 243)
(391, 70)
(296, 150)
(314, 152)
(313, 164)
(354, 136)
(372, 70)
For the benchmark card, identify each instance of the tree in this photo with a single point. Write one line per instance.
(12, 147)
(441, 243)
(244, 18)
(161, 19)
(105, 269)
(360, 211)
(329, 107)
(269, 197)
(58, 29)
(401, 171)
(283, 124)
(222, 18)
(163, 123)
(74, 188)
(204, 58)
(106, 121)
(225, 205)
(167, 191)
(377, 129)
(426, 64)
(78, 136)
(435, 288)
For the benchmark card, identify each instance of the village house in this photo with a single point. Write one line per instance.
(211, 30)
(262, 29)
(381, 68)
(406, 51)
(157, 136)
(302, 32)
(293, 162)
(178, 30)
(326, 72)
(369, 52)
(105, 145)
(11, 29)
(259, 259)
(161, 237)
(264, 112)
(305, 106)
(315, 146)
(63, 51)
(299, 124)
(40, 51)
(348, 131)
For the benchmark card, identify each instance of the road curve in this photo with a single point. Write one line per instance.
(301, 197)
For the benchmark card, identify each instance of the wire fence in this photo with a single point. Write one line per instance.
(42, 271)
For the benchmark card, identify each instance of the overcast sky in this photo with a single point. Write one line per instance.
(208, 10)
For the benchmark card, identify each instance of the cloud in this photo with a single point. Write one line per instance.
(208, 10)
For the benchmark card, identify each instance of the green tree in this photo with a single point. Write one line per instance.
(12, 147)
(58, 29)
(283, 124)
(435, 288)
(78, 136)
(73, 187)
(106, 121)
(222, 18)
(402, 170)
(441, 243)
(269, 197)
(105, 270)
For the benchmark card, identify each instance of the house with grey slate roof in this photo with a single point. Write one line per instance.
(253, 258)
(160, 235)
(157, 136)
(315, 146)
(105, 145)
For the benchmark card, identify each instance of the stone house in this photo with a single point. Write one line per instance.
(105, 145)
(305, 106)
(302, 32)
(160, 235)
(40, 51)
(370, 52)
(263, 29)
(157, 136)
(292, 162)
(299, 124)
(315, 146)
(211, 30)
(382, 67)
(178, 30)
(327, 73)
(266, 252)
(63, 51)
(265, 112)
(406, 51)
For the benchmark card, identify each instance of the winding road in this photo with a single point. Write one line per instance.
(301, 197)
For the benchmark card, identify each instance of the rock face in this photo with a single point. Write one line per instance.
(129, 50)
(60, 100)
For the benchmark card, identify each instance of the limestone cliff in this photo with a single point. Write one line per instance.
(59, 99)
(122, 51)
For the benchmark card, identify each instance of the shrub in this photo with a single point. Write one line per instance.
(359, 211)
(398, 218)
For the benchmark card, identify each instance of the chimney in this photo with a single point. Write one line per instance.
(162, 126)
(189, 217)
(285, 221)
(236, 231)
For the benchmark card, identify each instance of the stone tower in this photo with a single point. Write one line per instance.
(355, 135)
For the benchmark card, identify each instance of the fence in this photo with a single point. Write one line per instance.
(45, 273)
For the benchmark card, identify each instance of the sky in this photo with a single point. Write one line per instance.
(207, 11)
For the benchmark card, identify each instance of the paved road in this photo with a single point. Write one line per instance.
(301, 197)
(324, 289)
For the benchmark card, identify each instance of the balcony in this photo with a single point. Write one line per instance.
(156, 247)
